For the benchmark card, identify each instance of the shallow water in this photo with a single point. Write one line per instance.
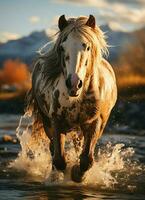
(118, 173)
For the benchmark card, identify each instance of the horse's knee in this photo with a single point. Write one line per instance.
(59, 163)
(86, 162)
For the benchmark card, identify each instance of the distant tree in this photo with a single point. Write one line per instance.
(14, 72)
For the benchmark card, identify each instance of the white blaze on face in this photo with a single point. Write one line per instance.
(76, 53)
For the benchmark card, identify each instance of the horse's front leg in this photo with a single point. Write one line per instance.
(91, 131)
(59, 157)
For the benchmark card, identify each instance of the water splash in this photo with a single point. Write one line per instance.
(113, 167)
(34, 157)
(113, 158)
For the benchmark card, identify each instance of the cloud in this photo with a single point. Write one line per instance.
(34, 19)
(53, 26)
(135, 16)
(5, 36)
(128, 14)
(93, 3)
(115, 26)
(131, 12)
(51, 31)
(54, 20)
(131, 2)
(102, 3)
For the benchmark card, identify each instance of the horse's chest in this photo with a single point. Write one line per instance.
(77, 112)
(64, 108)
(71, 113)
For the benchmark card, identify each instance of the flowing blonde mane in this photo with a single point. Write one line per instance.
(53, 65)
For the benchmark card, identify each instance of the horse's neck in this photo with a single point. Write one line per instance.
(92, 85)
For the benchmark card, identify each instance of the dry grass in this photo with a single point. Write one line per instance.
(131, 86)
(11, 95)
(130, 80)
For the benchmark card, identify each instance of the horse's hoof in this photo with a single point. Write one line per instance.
(76, 174)
(60, 164)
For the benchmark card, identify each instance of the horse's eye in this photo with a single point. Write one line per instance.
(88, 48)
(67, 58)
(84, 45)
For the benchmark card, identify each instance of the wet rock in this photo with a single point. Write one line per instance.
(8, 138)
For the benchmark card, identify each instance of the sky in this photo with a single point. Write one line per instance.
(19, 18)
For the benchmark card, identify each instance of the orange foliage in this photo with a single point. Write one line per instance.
(14, 72)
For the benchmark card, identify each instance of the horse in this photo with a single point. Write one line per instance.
(73, 86)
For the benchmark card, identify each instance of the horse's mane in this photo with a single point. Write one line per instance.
(52, 59)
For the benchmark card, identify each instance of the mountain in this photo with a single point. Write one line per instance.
(25, 48)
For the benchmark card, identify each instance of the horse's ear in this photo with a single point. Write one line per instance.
(62, 22)
(91, 21)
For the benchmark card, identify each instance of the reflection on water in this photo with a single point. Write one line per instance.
(118, 173)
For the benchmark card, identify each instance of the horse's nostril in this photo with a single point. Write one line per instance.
(80, 84)
(68, 83)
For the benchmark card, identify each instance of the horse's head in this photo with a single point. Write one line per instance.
(76, 53)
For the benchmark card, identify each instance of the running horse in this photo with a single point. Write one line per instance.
(73, 86)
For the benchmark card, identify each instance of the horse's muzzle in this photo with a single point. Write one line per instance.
(73, 83)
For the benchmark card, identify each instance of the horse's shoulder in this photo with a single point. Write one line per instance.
(107, 81)
(105, 65)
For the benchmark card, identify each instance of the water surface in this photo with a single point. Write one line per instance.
(118, 173)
